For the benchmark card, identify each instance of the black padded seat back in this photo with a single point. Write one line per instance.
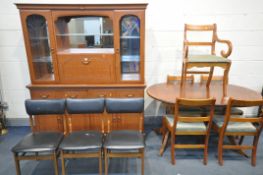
(44, 107)
(85, 106)
(124, 105)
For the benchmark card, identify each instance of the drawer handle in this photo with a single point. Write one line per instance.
(44, 96)
(85, 61)
(70, 96)
(130, 95)
(102, 95)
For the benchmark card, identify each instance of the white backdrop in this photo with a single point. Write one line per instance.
(239, 21)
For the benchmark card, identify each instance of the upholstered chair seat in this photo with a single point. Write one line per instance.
(234, 126)
(39, 142)
(124, 140)
(207, 59)
(186, 126)
(82, 140)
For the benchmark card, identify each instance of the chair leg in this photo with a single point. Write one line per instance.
(225, 79)
(210, 76)
(100, 162)
(206, 150)
(183, 74)
(63, 163)
(55, 162)
(220, 150)
(106, 161)
(142, 159)
(172, 149)
(254, 150)
(17, 164)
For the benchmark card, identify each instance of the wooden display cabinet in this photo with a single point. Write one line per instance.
(85, 51)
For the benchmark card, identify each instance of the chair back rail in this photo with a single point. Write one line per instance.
(85, 106)
(125, 105)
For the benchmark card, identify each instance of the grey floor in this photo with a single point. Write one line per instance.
(189, 162)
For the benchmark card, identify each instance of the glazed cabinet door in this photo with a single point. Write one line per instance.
(129, 46)
(40, 45)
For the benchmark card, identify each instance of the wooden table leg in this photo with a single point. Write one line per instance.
(165, 140)
(233, 142)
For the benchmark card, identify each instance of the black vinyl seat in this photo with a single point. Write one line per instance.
(83, 144)
(34, 144)
(82, 140)
(39, 142)
(120, 143)
(123, 140)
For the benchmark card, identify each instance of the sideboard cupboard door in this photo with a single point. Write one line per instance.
(40, 45)
(102, 119)
(126, 122)
(50, 122)
(129, 47)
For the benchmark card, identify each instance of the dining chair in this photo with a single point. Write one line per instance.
(40, 145)
(238, 125)
(173, 79)
(209, 60)
(82, 144)
(191, 124)
(220, 110)
(124, 143)
(260, 108)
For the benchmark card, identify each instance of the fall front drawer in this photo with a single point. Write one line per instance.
(86, 68)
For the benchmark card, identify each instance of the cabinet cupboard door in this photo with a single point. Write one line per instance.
(40, 45)
(129, 39)
(86, 68)
(126, 122)
(49, 122)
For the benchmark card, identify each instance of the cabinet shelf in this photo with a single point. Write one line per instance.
(130, 37)
(130, 58)
(87, 50)
(85, 34)
(44, 59)
(130, 76)
(39, 38)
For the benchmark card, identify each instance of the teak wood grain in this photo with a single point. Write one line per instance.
(93, 73)
(169, 92)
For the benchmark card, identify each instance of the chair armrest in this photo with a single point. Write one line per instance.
(229, 44)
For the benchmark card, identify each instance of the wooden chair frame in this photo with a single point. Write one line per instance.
(238, 146)
(172, 129)
(174, 78)
(215, 79)
(188, 65)
(53, 156)
(73, 155)
(109, 154)
(171, 79)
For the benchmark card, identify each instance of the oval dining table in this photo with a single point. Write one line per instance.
(168, 93)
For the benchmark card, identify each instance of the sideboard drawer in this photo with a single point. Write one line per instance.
(129, 93)
(43, 94)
